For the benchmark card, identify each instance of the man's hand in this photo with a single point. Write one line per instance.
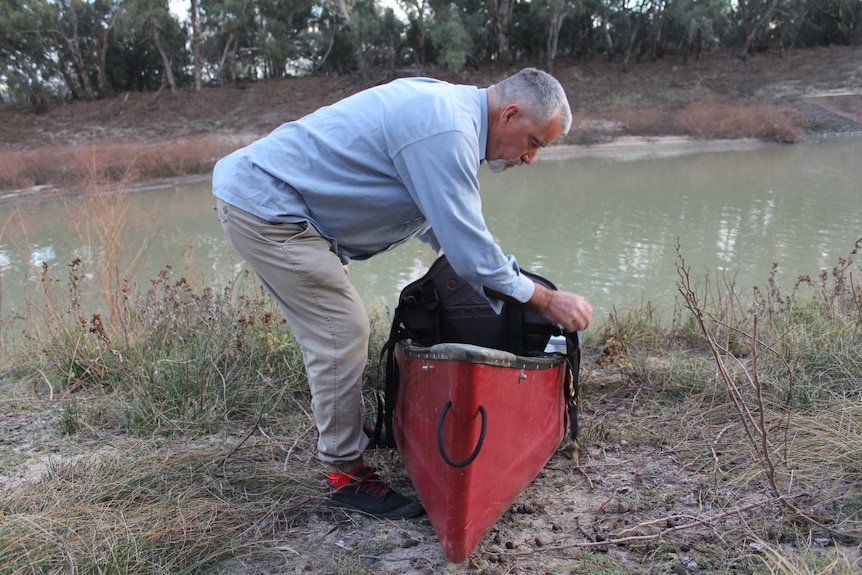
(566, 309)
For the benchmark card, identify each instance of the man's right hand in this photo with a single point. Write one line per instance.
(568, 310)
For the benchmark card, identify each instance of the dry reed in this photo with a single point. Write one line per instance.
(113, 163)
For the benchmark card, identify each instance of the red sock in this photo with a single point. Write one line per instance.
(338, 479)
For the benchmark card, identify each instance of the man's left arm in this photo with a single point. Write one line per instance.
(439, 172)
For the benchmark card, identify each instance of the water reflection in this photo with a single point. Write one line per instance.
(605, 226)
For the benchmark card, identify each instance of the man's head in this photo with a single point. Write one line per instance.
(526, 111)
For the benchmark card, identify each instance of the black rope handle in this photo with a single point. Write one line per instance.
(479, 445)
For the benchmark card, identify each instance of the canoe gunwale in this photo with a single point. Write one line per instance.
(481, 355)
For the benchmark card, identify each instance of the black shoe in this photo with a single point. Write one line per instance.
(369, 494)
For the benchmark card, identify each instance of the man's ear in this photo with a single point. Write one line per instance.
(510, 112)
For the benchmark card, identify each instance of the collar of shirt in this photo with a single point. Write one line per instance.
(483, 123)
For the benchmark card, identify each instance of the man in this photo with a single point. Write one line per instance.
(362, 176)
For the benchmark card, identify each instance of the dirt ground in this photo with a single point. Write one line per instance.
(629, 506)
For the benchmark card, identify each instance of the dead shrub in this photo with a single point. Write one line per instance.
(12, 170)
(652, 121)
(110, 162)
(708, 120)
(712, 120)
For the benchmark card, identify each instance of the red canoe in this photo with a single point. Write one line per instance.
(474, 426)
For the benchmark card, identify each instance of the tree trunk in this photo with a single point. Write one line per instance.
(77, 58)
(196, 45)
(555, 24)
(68, 79)
(502, 16)
(609, 41)
(166, 60)
(631, 44)
(228, 49)
(104, 44)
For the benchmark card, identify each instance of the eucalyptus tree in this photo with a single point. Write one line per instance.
(155, 19)
(845, 16)
(84, 32)
(390, 39)
(501, 16)
(755, 18)
(604, 17)
(28, 65)
(475, 16)
(554, 14)
(790, 19)
(373, 39)
(450, 37)
(528, 33)
(695, 26)
(657, 33)
(280, 24)
(420, 14)
(228, 28)
(196, 44)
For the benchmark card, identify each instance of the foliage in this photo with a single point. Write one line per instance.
(789, 364)
(171, 358)
(92, 48)
(451, 38)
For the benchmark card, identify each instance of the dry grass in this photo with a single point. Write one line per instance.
(147, 509)
(708, 120)
(110, 162)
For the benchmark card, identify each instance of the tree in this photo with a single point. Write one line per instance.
(280, 24)
(501, 15)
(555, 13)
(155, 18)
(196, 44)
(229, 26)
(27, 62)
(451, 39)
(419, 14)
(845, 15)
(756, 17)
(84, 32)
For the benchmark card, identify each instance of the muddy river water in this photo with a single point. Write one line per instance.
(605, 223)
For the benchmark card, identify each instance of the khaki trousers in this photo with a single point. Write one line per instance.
(324, 311)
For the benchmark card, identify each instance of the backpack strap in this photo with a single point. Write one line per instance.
(571, 389)
(384, 436)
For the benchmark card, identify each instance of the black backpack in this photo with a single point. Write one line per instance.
(440, 307)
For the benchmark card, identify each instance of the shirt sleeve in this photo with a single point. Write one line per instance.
(439, 172)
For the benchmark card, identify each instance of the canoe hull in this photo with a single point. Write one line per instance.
(474, 432)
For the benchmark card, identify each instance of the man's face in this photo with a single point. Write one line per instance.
(516, 140)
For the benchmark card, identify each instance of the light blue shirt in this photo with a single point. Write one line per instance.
(378, 168)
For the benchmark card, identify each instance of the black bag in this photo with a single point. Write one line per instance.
(440, 307)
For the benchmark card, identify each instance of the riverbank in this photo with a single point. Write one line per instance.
(138, 137)
(173, 435)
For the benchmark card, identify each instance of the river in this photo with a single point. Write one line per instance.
(603, 223)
